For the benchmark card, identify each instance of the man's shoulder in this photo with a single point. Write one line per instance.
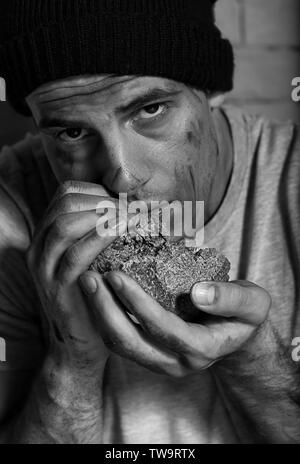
(259, 126)
(277, 139)
(18, 306)
(267, 160)
(277, 144)
(14, 210)
(26, 177)
(274, 145)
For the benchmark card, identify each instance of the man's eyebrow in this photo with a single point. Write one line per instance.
(139, 101)
(48, 122)
(147, 97)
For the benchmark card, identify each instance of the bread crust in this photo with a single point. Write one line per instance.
(165, 270)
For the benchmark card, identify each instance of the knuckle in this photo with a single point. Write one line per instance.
(61, 191)
(59, 227)
(148, 326)
(245, 293)
(66, 203)
(191, 364)
(119, 346)
(71, 258)
(179, 370)
(67, 187)
(240, 296)
(256, 300)
(264, 302)
(265, 298)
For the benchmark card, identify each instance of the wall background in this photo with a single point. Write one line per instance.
(266, 37)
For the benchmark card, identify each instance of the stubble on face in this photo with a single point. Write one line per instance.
(178, 158)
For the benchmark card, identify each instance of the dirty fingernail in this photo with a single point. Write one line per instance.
(204, 294)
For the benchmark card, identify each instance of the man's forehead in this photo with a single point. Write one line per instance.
(104, 83)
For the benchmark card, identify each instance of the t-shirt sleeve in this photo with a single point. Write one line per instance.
(22, 346)
(290, 201)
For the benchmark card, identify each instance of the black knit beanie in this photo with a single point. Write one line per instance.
(46, 40)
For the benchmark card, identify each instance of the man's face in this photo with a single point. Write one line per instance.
(149, 137)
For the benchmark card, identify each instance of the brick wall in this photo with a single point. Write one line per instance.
(266, 37)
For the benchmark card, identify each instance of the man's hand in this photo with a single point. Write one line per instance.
(66, 401)
(165, 343)
(64, 245)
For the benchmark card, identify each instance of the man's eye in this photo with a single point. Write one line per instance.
(72, 134)
(151, 111)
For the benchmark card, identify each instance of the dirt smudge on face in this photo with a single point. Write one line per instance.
(193, 180)
(189, 136)
(194, 134)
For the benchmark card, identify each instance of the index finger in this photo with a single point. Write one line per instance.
(86, 188)
(71, 197)
(165, 327)
(72, 187)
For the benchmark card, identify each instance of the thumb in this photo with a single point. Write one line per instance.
(240, 299)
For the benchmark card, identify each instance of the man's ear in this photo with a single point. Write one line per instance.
(216, 99)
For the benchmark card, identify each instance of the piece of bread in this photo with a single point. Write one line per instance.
(165, 270)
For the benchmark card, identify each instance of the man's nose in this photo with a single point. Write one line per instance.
(119, 168)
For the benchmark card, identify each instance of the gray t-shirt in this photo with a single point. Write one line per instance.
(257, 227)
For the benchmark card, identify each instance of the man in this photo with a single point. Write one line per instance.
(123, 94)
